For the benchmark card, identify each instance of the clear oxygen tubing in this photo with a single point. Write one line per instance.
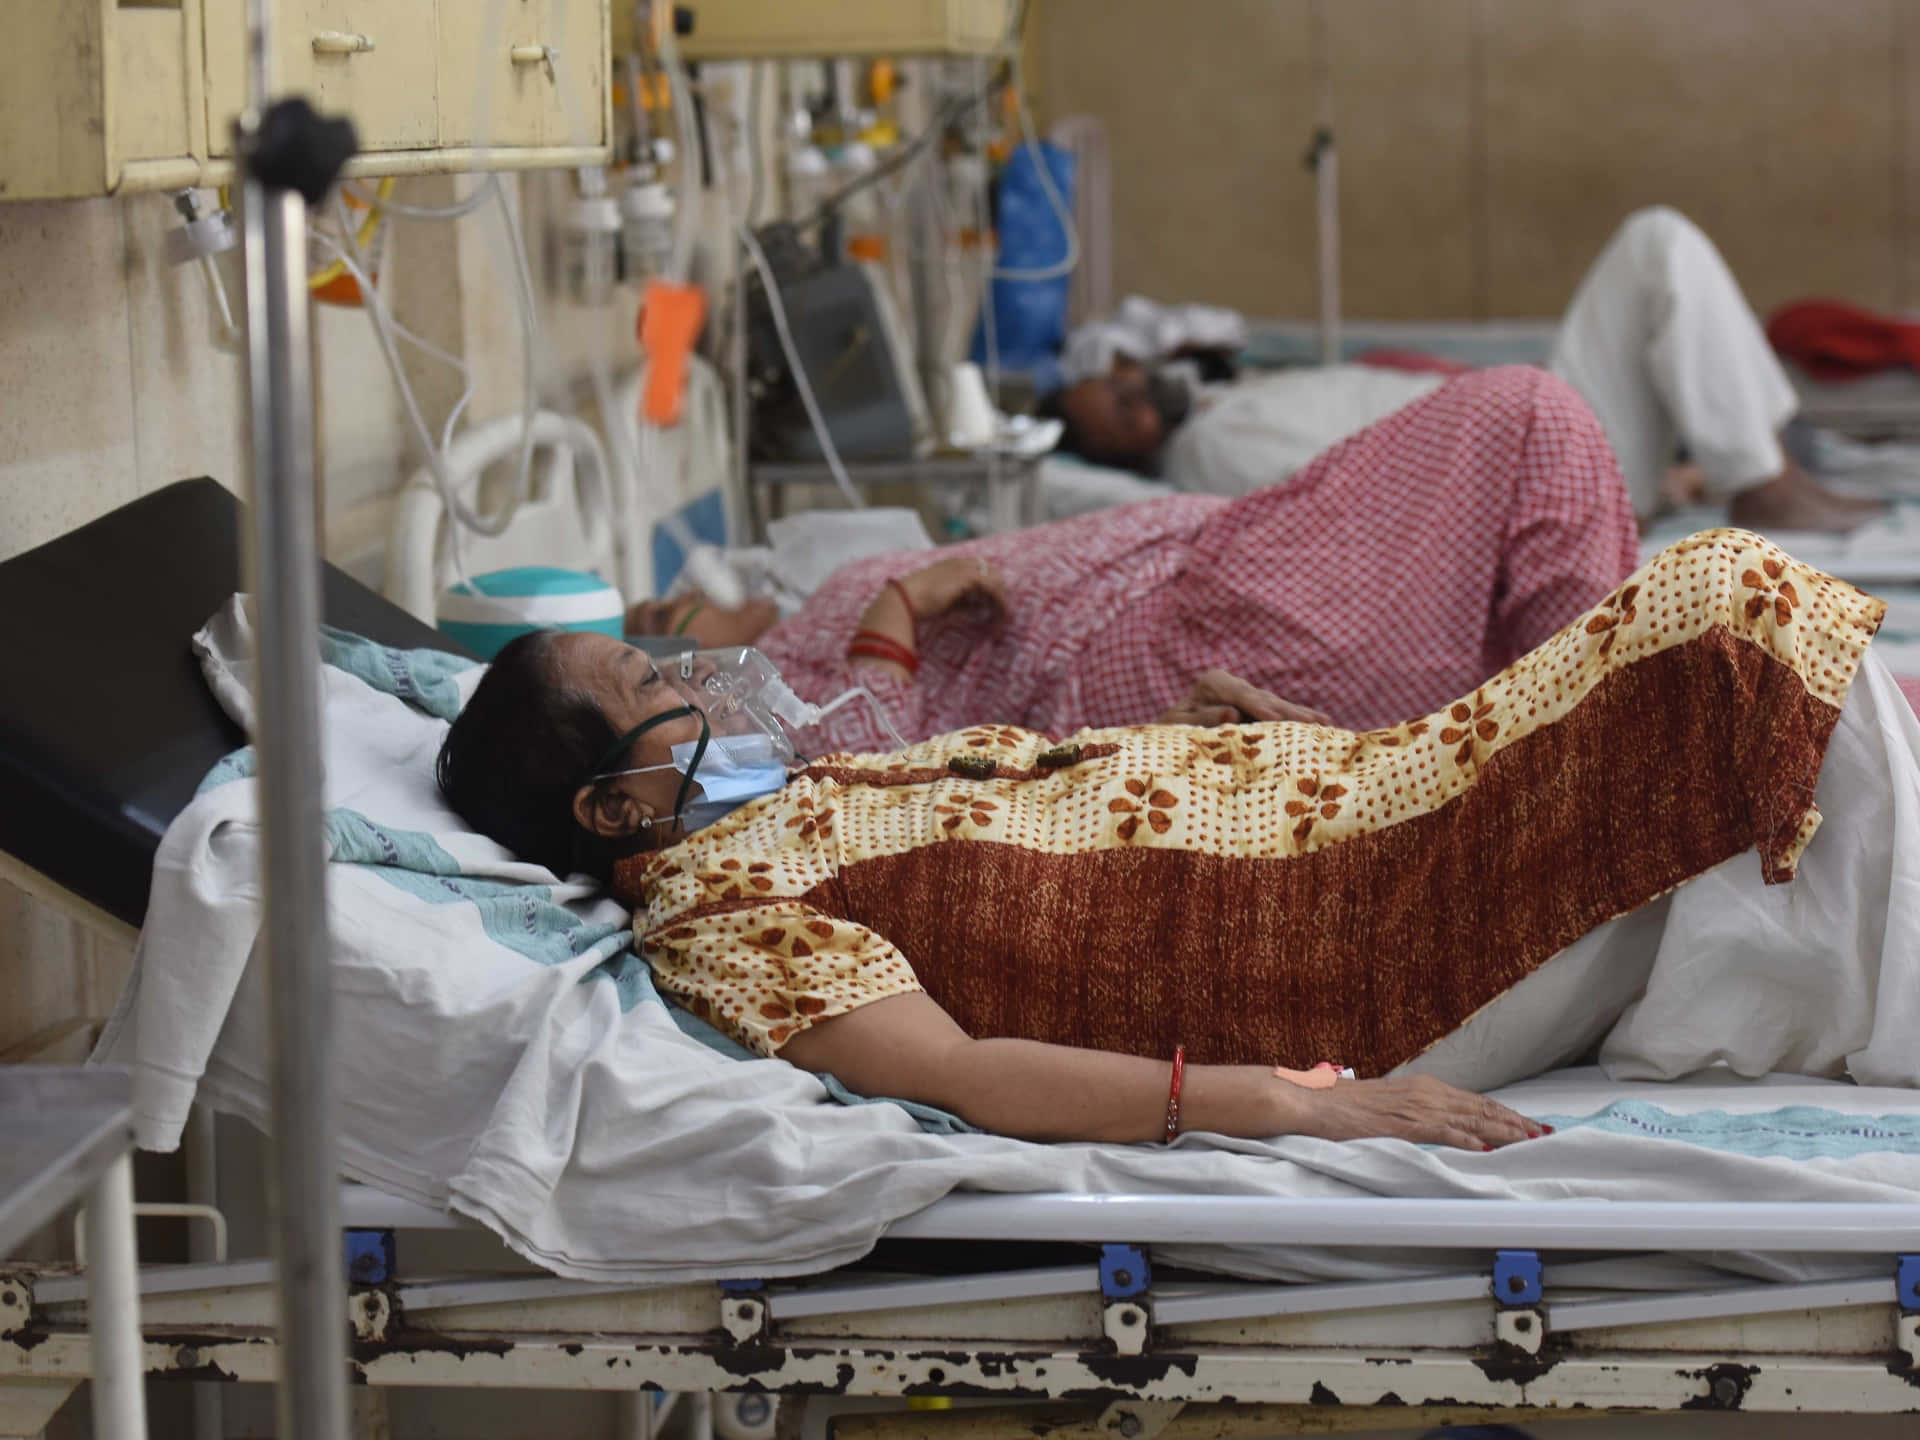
(827, 448)
(387, 330)
(905, 155)
(636, 451)
(893, 164)
(529, 347)
(860, 692)
(493, 30)
(1057, 202)
(686, 228)
(474, 199)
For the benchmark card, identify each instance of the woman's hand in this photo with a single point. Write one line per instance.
(948, 583)
(932, 591)
(1220, 698)
(1418, 1108)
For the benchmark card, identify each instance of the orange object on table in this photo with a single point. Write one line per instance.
(670, 320)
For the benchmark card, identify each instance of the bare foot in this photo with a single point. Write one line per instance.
(1794, 500)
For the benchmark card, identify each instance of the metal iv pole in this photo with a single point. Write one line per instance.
(290, 157)
(1323, 159)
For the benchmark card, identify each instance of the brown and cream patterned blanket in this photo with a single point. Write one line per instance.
(1281, 893)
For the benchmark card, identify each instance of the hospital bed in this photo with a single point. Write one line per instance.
(1884, 406)
(1132, 1315)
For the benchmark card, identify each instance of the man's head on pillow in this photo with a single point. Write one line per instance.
(1123, 418)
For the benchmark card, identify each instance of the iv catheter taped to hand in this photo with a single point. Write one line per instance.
(1323, 1076)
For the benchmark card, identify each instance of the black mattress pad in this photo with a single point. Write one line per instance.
(106, 726)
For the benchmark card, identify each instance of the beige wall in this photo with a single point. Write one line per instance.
(117, 382)
(1488, 147)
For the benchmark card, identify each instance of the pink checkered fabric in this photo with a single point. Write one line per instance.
(1393, 574)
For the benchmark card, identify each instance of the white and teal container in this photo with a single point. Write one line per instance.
(496, 607)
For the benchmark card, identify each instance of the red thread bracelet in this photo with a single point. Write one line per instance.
(1173, 1092)
(872, 645)
(906, 600)
(874, 638)
(873, 652)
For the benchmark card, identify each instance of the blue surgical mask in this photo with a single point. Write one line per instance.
(734, 769)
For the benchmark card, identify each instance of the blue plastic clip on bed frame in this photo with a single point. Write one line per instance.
(1906, 1282)
(742, 1287)
(371, 1257)
(1124, 1272)
(1516, 1277)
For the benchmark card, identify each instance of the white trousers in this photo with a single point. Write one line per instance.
(1820, 976)
(1664, 347)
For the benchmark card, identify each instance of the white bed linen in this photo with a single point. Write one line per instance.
(1884, 551)
(1070, 486)
(599, 1141)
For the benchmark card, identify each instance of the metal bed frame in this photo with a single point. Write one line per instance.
(1546, 1324)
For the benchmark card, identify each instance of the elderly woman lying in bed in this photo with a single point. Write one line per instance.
(1397, 571)
(1120, 937)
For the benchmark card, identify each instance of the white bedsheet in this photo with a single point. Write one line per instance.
(568, 1113)
(1070, 486)
(1885, 551)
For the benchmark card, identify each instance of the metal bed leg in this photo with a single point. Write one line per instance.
(1906, 1290)
(113, 1308)
(633, 1415)
(700, 1416)
(203, 1188)
(370, 1418)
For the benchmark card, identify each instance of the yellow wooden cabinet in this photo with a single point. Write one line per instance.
(772, 29)
(98, 97)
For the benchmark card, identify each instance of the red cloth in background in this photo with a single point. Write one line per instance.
(1833, 340)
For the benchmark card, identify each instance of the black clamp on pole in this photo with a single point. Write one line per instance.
(1317, 147)
(295, 147)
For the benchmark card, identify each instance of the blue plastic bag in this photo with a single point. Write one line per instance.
(1030, 316)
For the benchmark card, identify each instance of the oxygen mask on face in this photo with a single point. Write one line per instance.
(742, 693)
(745, 713)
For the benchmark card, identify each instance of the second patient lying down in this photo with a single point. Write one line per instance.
(1397, 571)
(1122, 936)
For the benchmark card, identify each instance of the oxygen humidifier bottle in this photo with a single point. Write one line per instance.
(646, 227)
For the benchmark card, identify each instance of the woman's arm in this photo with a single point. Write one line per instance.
(908, 1048)
(932, 591)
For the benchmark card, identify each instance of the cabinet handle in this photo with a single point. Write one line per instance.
(533, 55)
(340, 42)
